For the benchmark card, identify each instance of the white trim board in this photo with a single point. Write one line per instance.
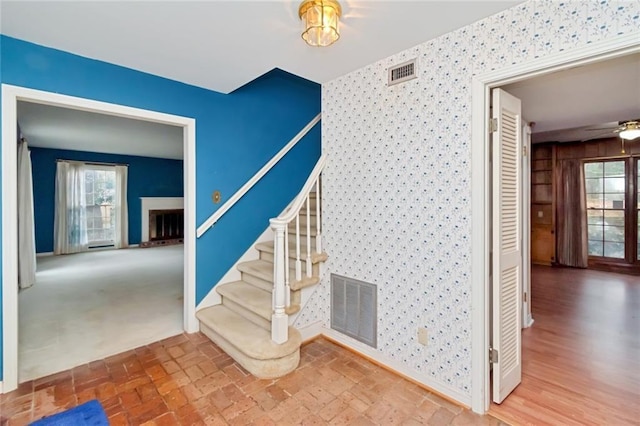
(480, 187)
(10, 96)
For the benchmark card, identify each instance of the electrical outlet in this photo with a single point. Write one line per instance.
(423, 337)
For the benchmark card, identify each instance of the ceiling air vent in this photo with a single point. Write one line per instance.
(403, 72)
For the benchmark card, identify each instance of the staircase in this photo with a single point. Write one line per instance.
(243, 325)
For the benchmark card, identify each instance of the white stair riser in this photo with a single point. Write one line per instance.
(247, 314)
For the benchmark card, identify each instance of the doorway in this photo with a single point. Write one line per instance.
(481, 201)
(10, 97)
(100, 295)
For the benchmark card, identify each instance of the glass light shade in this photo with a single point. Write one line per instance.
(321, 19)
(631, 131)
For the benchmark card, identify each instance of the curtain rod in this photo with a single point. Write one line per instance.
(92, 163)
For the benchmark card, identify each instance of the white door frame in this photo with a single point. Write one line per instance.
(480, 187)
(10, 97)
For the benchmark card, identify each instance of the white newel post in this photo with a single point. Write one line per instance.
(279, 318)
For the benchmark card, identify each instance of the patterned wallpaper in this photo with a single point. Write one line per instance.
(397, 191)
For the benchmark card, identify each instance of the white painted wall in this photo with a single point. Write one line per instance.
(397, 187)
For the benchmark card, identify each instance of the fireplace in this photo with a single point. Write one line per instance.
(166, 224)
(162, 221)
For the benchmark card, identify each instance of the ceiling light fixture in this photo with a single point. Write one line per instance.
(321, 19)
(630, 130)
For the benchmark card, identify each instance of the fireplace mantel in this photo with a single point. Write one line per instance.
(157, 203)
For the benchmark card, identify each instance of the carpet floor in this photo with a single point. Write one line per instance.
(91, 305)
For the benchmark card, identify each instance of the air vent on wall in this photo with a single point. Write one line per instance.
(354, 309)
(403, 72)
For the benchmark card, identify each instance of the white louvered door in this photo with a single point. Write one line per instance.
(507, 233)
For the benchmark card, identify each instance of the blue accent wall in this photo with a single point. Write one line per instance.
(236, 134)
(147, 177)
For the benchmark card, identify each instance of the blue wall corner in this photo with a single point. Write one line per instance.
(147, 177)
(236, 134)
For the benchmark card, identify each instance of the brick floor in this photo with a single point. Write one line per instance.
(188, 380)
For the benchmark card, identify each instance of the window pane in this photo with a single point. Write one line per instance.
(614, 201)
(614, 168)
(614, 217)
(595, 232)
(595, 248)
(614, 234)
(593, 170)
(594, 185)
(614, 184)
(614, 250)
(595, 217)
(595, 201)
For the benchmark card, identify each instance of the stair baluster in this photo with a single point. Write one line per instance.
(298, 262)
(287, 286)
(309, 263)
(318, 233)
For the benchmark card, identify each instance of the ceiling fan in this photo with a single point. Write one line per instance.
(628, 130)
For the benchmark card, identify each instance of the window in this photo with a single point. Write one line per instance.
(605, 188)
(613, 209)
(100, 183)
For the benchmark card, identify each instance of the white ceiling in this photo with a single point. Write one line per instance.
(47, 126)
(564, 105)
(222, 45)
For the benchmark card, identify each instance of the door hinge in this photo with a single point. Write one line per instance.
(524, 151)
(525, 297)
(493, 355)
(493, 125)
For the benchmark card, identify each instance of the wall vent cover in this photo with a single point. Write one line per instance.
(354, 309)
(403, 72)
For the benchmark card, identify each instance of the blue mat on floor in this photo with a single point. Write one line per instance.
(88, 414)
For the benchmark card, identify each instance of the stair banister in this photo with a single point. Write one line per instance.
(207, 224)
(279, 318)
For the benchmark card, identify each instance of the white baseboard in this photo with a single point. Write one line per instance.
(395, 366)
(213, 298)
(44, 254)
(1, 392)
(310, 331)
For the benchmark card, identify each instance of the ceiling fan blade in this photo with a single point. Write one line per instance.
(598, 135)
(611, 129)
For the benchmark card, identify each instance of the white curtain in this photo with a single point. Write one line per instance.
(70, 219)
(121, 234)
(26, 235)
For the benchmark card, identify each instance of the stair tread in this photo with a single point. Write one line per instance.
(264, 269)
(248, 296)
(260, 268)
(251, 340)
(315, 256)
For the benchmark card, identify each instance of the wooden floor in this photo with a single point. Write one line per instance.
(581, 357)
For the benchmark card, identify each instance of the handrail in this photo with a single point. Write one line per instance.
(207, 224)
(281, 295)
(295, 207)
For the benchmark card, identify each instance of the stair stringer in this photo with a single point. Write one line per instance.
(213, 297)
